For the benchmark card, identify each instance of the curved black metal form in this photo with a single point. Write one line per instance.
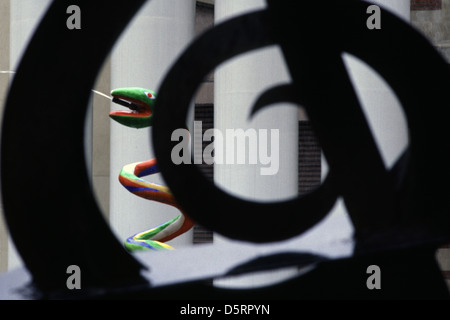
(236, 36)
(49, 206)
(400, 215)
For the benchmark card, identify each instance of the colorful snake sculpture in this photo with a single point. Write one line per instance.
(141, 103)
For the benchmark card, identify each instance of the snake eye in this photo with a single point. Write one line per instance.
(149, 95)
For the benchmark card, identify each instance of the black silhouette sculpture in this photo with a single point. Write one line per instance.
(400, 215)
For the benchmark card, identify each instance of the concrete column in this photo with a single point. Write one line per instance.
(144, 53)
(238, 83)
(23, 17)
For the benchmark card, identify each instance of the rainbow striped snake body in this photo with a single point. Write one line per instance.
(141, 102)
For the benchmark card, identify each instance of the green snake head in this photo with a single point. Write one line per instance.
(140, 102)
